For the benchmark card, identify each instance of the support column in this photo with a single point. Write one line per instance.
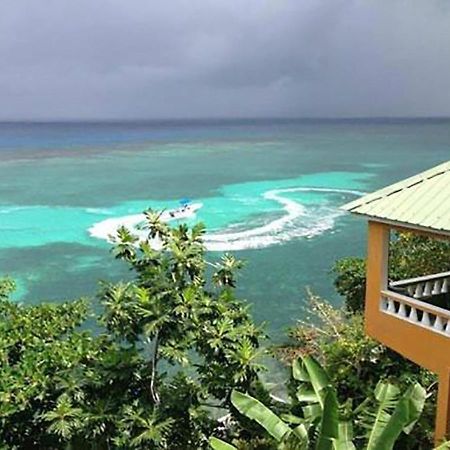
(377, 271)
(442, 428)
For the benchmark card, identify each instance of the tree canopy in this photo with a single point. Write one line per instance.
(170, 345)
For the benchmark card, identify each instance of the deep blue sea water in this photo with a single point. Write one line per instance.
(270, 191)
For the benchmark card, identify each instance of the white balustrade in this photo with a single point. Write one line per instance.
(417, 312)
(426, 286)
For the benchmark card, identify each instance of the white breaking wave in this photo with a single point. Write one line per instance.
(107, 228)
(296, 222)
(13, 209)
(102, 211)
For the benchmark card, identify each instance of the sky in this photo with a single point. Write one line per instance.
(127, 59)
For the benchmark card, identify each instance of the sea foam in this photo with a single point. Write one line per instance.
(296, 221)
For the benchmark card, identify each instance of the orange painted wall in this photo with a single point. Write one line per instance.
(420, 345)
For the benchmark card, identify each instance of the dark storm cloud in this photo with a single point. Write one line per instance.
(180, 58)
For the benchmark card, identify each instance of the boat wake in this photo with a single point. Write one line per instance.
(296, 221)
(108, 227)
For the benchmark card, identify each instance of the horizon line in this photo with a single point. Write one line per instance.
(217, 119)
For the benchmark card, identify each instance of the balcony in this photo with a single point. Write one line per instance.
(422, 301)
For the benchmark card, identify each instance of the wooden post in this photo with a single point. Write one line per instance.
(442, 427)
(377, 271)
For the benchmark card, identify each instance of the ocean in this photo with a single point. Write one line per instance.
(269, 191)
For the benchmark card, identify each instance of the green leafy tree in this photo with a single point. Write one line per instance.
(180, 317)
(37, 345)
(171, 343)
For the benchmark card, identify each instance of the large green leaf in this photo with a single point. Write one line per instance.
(299, 372)
(297, 440)
(317, 377)
(329, 425)
(218, 444)
(291, 419)
(406, 413)
(344, 441)
(306, 395)
(258, 412)
(312, 412)
(387, 397)
(301, 432)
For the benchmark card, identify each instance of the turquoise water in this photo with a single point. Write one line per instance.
(270, 191)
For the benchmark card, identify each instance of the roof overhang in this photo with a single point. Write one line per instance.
(421, 202)
(407, 227)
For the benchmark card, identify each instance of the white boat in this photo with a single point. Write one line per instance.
(183, 212)
(136, 222)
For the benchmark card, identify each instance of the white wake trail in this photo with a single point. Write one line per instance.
(296, 222)
(283, 229)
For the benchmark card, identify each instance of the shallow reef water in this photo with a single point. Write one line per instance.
(270, 191)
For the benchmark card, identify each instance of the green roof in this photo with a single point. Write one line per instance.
(422, 201)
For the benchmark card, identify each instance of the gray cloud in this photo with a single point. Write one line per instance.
(216, 58)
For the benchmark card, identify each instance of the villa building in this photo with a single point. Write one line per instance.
(411, 316)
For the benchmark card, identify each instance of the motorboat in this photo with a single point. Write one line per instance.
(185, 211)
(137, 223)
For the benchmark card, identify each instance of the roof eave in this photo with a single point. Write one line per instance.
(403, 225)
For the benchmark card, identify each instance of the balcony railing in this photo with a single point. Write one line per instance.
(409, 300)
(416, 312)
(423, 287)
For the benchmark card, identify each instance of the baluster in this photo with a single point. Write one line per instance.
(437, 287)
(402, 310)
(391, 306)
(444, 288)
(419, 290)
(447, 327)
(413, 316)
(427, 289)
(425, 319)
(438, 324)
(410, 290)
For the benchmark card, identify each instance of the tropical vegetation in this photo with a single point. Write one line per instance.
(170, 356)
(168, 347)
(336, 336)
(316, 419)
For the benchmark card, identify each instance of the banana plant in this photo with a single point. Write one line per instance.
(326, 425)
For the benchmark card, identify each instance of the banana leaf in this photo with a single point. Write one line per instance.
(329, 425)
(407, 411)
(317, 377)
(255, 410)
(218, 444)
(345, 439)
(387, 396)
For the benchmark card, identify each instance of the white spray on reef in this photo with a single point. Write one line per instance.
(297, 221)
